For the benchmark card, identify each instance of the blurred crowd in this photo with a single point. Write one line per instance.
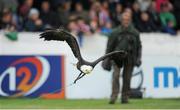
(89, 16)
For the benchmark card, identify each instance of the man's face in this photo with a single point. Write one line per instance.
(45, 6)
(126, 19)
(34, 17)
(29, 2)
(144, 16)
(7, 18)
(79, 7)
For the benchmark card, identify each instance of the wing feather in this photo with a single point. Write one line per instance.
(62, 35)
(111, 55)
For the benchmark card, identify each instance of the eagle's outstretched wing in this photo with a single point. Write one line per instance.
(111, 55)
(62, 35)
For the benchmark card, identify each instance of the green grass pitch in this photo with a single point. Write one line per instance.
(9, 103)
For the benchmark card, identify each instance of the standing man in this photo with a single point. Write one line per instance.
(124, 37)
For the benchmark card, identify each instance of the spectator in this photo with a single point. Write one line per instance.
(104, 16)
(177, 12)
(168, 20)
(83, 26)
(170, 6)
(159, 4)
(94, 26)
(146, 24)
(7, 25)
(24, 9)
(105, 5)
(10, 4)
(34, 23)
(48, 17)
(99, 15)
(78, 27)
(6, 22)
(117, 15)
(144, 4)
(154, 15)
(83, 29)
(72, 26)
(94, 16)
(64, 12)
(129, 10)
(107, 28)
(80, 12)
(136, 14)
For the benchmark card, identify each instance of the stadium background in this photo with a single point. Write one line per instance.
(160, 49)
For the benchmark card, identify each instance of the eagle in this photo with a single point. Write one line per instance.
(85, 67)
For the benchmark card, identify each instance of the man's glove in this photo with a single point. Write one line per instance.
(138, 62)
(106, 64)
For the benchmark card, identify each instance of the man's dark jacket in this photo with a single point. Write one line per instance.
(127, 39)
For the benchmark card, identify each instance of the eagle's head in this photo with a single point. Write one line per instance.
(86, 69)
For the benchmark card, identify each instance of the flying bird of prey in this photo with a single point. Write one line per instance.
(82, 65)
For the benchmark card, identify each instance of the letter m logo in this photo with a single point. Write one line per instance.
(165, 72)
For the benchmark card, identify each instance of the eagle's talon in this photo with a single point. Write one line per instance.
(79, 77)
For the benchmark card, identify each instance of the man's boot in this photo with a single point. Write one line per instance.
(113, 99)
(124, 99)
(111, 102)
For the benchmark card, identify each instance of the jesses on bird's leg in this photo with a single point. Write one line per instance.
(79, 77)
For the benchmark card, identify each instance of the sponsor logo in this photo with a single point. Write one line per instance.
(30, 76)
(166, 73)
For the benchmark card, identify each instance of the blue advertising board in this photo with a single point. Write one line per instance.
(32, 76)
(166, 72)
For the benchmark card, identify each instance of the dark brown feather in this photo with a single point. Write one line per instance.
(62, 35)
(111, 55)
